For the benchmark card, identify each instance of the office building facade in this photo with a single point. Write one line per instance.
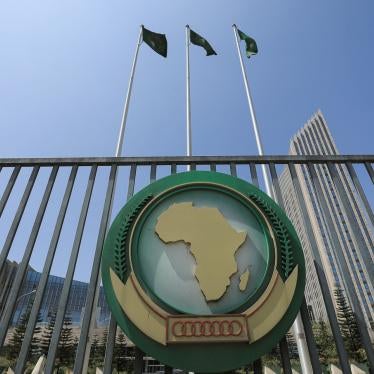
(354, 239)
(75, 306)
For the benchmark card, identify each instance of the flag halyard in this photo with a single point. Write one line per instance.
(157, 42)
(198, 40)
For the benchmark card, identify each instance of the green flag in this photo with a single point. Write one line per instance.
(251, 46)
(196, 39)
(156, 41)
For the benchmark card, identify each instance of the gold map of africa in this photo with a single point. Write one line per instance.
(213, 243)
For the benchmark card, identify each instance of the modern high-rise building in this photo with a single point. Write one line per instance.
(347, 217)
(77, 297)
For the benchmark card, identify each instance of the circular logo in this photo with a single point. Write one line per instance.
(203, 271)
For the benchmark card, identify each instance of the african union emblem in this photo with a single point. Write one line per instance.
(203, 271)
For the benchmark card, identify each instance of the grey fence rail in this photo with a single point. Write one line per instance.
(137, 173)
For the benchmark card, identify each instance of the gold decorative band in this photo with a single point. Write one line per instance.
(206, 329)
(165, 328)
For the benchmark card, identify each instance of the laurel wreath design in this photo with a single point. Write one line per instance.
(282, 235)
(120, 263)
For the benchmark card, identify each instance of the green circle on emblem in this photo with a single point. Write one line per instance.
(203, 271)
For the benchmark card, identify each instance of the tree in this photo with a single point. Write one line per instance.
(102, 344)
(349, 327)
(35, 349)
(47, 333)
(66, 343)
(325, 343)
(272, 359)
(95, 352)
(16, 340)
(120, 351)
(292, 346)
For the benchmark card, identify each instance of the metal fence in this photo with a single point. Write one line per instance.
(35, 190)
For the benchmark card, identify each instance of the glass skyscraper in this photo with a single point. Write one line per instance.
(347, 216)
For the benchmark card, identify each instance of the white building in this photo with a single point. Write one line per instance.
(354, 231)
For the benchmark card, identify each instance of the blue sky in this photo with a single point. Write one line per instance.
(64, 70)
(65, 65)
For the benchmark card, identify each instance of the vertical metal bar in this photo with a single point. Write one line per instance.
(310, 340)
(257, 366)
(283, 346)
(22, 267)
(138, 365)
(6, 287)
(314, 357)
(254, 177)
(22, 358)
(233, 169)
(17, 218)
(110, 344)
(365, 339)
(173, 168)
(193, 166)
(152, 176)
(69, 274)
(130, 190)
(275, 183)
(213, 167)
(89, 306)
(168, 370)
(285, 357)
(356, 232)
(9, 188)
(360, 191)
(370, 171)
(342, 353)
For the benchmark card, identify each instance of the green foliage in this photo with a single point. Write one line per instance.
(120, 352)
(120, 263)
(287, 263)
(65, 351)
(292, 346)
(325, 343)
(349, 328)
(47, 333)
(272, 359)
(16, 340)
(95, 352)
(102, 344)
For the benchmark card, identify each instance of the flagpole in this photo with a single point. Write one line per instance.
(298, 328)
(253, 115)
(188, 96)
(128, 96)
(117, 154)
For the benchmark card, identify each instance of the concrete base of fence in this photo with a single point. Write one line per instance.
(356, 370)
(39, 367)
(271, 371)
(335, 370)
